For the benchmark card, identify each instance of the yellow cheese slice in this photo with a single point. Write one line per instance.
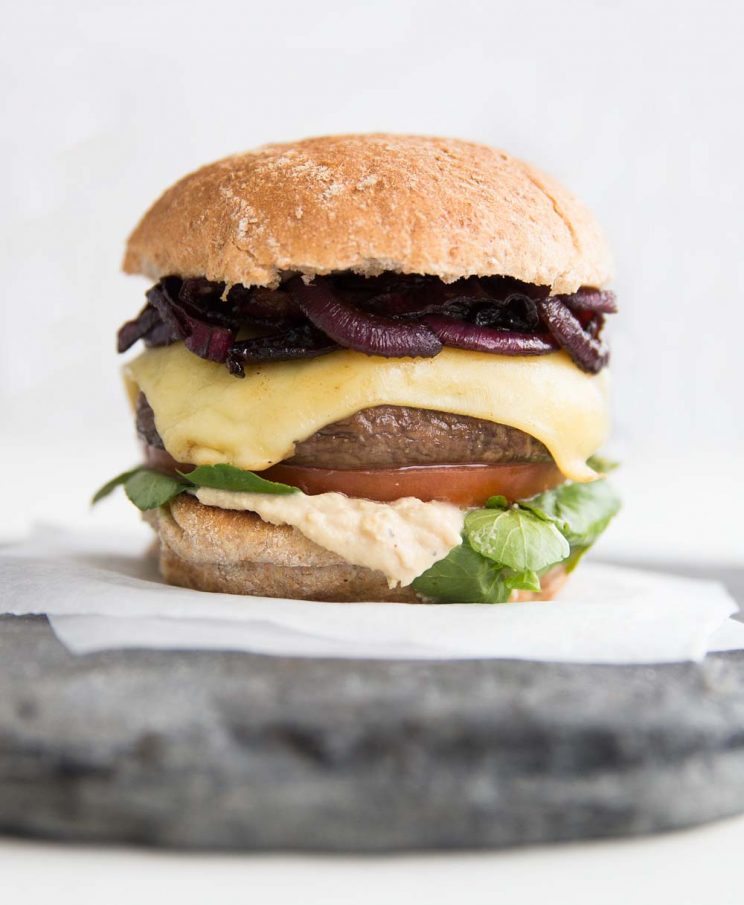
(206, 416)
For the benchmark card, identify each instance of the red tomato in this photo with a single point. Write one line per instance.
(463, 485)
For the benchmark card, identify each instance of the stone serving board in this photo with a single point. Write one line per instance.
(234, 751)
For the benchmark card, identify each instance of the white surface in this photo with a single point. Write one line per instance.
(633, 105)
(686, 868)
(102, 594)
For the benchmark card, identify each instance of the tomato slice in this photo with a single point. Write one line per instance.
(463, 485)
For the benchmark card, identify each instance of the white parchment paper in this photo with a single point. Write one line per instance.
(102, 592)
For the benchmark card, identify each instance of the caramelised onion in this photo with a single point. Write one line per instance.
(600, 300)
(263, 306)
(464, 335)
(129, 333)
(372, 334)
(160, 335)
(208, 340)
(391, 315)
(304, 341)
(516, 312)
(162, 297)
(595, 325)
(200, 291)
(206, 330)
(587, 351)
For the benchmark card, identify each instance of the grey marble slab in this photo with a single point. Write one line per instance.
(235, 751)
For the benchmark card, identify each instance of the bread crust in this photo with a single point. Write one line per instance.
(226, 551)
(370, 203)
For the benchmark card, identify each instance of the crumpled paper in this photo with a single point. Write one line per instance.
(100, 591)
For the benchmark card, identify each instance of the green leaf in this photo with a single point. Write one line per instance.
(111, 485)
(149, 489)
(580, 511)
(526, 580)
(227, 477)
(515, 538)
(577, 554)
(463, 576)
(602, 464)
(497, 502)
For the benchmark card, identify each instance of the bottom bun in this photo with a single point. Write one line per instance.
(211, 549)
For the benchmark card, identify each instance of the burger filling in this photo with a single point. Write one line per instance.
(401, 539)
(394, 436)
(392, 315)
(204, 416)
(439, 433)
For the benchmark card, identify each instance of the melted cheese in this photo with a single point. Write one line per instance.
(400, 539)
(206, 416)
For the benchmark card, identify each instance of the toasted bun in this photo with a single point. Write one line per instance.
(370, 203)
(222, 550)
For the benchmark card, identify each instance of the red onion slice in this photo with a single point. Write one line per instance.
(589, 353)
(595, 326)
(169, 312)
(160, 335)
(600, 300)
(263, 306)
(146, 321)
(208, 334)
(372, 334)
(463, 335)
(208, 341)
(296, 342)
(200, 291)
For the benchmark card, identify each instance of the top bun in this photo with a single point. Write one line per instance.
(370, 203)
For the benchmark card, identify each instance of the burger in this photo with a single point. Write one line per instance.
(373, 370)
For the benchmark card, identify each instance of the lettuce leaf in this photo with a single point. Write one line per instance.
(463, 576)
(581, 512)
(228, 477)
(527, 580)
(515, 538)
(602, 464)
(111, 485)
(148, 488)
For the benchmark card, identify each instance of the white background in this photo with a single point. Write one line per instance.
(635, 106)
